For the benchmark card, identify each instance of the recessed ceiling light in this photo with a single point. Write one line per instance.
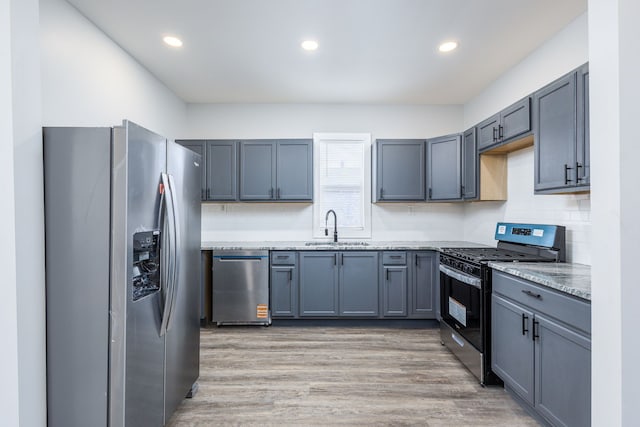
(172, 41)
(448, 46)
(309, 45)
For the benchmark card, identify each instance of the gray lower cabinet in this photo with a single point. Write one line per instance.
(358, 283)
(423, 281)
(562, 134)
(444, 163)
(318, 284)
(273, 170)
(364, 284)
(563, 374)
(400, 170)
(284, 284)
(512, 346)
(541, 348)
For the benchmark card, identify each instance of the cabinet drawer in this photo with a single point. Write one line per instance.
(283, 258)
(394, 258)
(568, 309)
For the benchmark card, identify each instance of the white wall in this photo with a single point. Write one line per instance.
(614, 92)
(253, 221)
(9, 402)
(88, 80)
(559, 55)
(29, 210)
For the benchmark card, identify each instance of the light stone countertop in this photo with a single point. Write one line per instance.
(573, 279)
(341, 245)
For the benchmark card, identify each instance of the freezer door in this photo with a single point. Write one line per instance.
(183, 329)
(137, 346)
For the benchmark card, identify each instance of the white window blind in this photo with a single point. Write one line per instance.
(343, 183)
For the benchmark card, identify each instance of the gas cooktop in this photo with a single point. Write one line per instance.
(480, 255)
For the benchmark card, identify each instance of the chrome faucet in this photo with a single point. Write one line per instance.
(335, 224)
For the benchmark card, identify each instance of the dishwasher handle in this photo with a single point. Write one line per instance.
(230, 258)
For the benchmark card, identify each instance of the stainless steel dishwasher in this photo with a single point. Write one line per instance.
(240, 288)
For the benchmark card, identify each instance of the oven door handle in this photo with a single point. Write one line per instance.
(462, 277)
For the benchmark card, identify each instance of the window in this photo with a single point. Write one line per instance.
(342, 182)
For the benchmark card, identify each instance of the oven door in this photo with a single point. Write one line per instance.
(461, 304)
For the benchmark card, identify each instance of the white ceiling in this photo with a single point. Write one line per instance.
(371, 51)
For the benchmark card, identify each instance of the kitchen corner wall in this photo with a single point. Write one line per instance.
(88, 80)
(291, 221)
(565, 51)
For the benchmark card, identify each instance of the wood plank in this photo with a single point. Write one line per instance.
(493, 177)
(338, 375)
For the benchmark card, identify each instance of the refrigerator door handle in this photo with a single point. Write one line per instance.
(167, 251)
(176, 248)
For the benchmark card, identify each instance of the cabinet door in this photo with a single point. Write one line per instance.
(512, 346)
(222, 170)
(284, 285)
(515, 120)
(583, 165)
(487, 132)
(470, 161)
(423, 280)
(394, 291)
(294, 170)
(555, 134)
(358, 283)
(444, 160)
(318, 284)
(400, 170)
(257, 170)
(563, 374)
(199, 146)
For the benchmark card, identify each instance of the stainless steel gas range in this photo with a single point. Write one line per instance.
(465, 288)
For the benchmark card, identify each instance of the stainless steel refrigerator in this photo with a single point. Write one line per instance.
(122, 224)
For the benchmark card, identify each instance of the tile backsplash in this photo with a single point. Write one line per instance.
(570, 210)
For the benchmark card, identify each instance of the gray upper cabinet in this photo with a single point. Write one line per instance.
(583, 166)
(400, 170)
(423, 280)
(470, 160)
(358, 283)
(515, 120)
(200, 147)
(318, 284)
(562, 135)
(294, 170)
(512, 122)
(487, 131)
(276, 170)
(222, 170)
(257, 170)
(444, 163)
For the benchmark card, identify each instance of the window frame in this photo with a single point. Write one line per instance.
(319, 141)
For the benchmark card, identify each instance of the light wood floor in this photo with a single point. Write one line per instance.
(298, 376)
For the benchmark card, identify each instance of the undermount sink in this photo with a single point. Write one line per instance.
(336, 244)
